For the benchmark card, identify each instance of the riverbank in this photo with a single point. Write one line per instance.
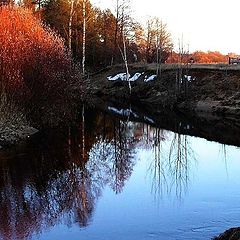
(14, 125)
(208, 102)
(230, 234)
(205, 89)
(12, 134)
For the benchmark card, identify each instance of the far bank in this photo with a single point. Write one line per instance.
(208, 89)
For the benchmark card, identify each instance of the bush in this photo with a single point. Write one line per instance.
(35, 66)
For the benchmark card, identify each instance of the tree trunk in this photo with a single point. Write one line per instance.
(124, 57)
(126, 63)
(84, 38)
(115, 34)
(70, 27)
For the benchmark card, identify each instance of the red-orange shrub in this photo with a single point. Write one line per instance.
(35, 65)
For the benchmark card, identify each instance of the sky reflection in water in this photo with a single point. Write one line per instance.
(118, 180)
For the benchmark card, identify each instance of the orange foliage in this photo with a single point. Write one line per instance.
(209, 57)
(176, 58)
(199, 57)
(33, 58)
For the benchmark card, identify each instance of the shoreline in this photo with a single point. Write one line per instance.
(11, 134)
(213, 94)
(215, 91)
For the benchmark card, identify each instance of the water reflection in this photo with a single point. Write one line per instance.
(58, 176)
(181, 155)
(171, 164)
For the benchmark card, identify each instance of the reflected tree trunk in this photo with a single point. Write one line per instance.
(84, 38)
(83, 132)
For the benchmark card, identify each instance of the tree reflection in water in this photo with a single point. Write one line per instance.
(171, 164)
(181, 155)
(58, 176)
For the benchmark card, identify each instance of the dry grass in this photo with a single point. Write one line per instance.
(174, 66)
(10, 113)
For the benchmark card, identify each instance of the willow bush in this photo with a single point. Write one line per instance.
(35, 67)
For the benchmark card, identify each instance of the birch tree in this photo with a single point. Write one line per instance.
(70, 25)
(123, 16)
(124, 57)
(123, 23)
(84, 38)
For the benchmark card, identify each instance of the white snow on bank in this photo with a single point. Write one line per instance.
(150, 78)
(123, 77)
(120, 76)
(188, 78)
(135, 77)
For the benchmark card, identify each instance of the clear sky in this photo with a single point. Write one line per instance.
(204, 24)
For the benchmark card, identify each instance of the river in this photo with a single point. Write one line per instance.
(112, 177)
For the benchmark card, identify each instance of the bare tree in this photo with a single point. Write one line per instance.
(121, 32)
(158, 42)
(181, 78)
(123, 24)
(164, 44)
(116, 32)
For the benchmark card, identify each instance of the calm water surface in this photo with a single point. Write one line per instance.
(110, 178)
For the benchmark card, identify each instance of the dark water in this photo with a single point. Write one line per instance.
(110, 178)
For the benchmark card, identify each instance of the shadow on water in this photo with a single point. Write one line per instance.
(58, 175)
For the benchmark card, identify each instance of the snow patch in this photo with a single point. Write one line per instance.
(150, 78)
(123, 77)
(135, 77)
(120, 76)
(188, 78)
